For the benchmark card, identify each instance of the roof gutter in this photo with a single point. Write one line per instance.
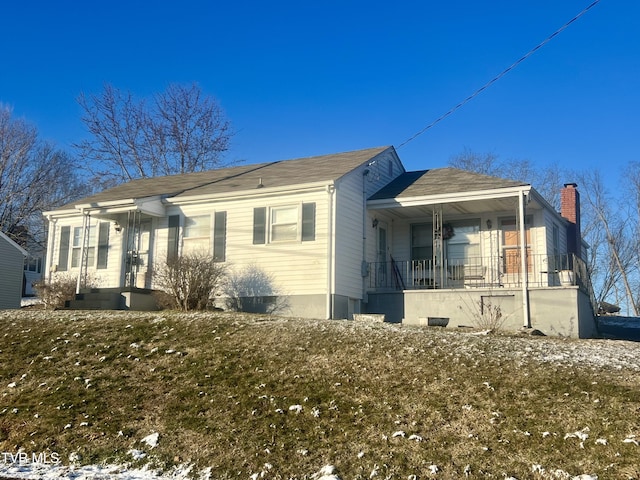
(448, 197)
(259, 192)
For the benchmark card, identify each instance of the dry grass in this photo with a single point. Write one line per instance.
(280, 397)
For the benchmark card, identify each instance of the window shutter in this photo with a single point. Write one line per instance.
(103, 244)
(259, 225)
(174, 231)
(308, 222)
(220, 236)
(63, 254)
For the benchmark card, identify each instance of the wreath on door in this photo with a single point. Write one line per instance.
(447, 231)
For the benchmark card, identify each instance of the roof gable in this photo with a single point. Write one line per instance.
(441, 181)
(13, 244)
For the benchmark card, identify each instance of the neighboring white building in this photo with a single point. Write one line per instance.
(342, 234)
(12, 258)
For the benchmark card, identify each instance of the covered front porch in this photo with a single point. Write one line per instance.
(115, 244)
(451, 259)
(487, 238)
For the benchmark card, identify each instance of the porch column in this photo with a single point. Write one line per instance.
(83, 265)
(523, 261)
(51, 241)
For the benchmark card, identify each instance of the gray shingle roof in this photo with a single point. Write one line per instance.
(441, 181)
(233, 179)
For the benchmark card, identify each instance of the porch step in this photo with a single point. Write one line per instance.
(113, 299)
(98, 301)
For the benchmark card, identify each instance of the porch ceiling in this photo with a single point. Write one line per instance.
(152, 207)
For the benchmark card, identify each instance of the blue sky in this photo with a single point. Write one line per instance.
(308, 78)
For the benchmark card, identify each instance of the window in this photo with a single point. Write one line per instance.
(556, 240)
(220, 236)
(196, 234)
(76, 249)
(33, 264)
(421, 242)
(464, 247)
(286, 223)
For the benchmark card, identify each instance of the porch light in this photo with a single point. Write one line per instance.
(489, 224)
(374, 224)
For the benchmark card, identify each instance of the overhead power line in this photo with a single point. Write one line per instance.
(501, 74)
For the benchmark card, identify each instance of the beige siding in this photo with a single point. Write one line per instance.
(352, 191)
(296, 267)
(11, 277)
(549, 221)
(109, 277)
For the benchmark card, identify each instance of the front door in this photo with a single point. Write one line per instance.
(512, 248)
(383, 270)
(138, 261)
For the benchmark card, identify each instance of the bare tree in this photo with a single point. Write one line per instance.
(34, 176)
(177, 131)
(546, 180)
(485, 163)
(607, 230)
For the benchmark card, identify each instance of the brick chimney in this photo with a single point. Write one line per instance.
(570, 209)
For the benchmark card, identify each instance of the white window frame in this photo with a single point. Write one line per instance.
(199, 241)
(286, 222)
(76, 250)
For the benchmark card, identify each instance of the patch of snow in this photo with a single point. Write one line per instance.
(295, 408)
(328, 472)
(581, 434)
(30, 301)
(151, 440)
(137, 454)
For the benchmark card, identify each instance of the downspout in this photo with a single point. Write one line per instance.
(330, 192)
(364, 267)
(523, 261)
